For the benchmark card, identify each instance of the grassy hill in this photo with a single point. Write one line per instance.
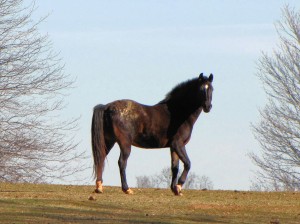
(29, 203)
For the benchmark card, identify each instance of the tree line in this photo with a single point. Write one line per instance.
(163, 180)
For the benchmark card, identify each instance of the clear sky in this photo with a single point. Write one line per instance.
(140, 49)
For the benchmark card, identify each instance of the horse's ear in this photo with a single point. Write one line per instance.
(201, 76)
(211, 78)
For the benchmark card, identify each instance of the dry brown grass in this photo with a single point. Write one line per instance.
(29, 203)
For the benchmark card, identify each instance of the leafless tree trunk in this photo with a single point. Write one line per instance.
(35, 145)
(278, 131)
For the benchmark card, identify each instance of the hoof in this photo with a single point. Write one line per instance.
(99, 187)
(98, 191)
(177, 191)
(129, 191)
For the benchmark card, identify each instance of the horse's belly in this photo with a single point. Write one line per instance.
(149, 142)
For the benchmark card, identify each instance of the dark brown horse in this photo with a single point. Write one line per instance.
(166, 124)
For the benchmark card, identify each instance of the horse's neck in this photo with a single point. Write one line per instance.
(183, 106)
(184, 111)
(194, 116)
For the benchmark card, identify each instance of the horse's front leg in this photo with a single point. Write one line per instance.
(181, 152)
(125, 152)
(175, 169)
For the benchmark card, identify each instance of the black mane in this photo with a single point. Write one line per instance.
(181, 90)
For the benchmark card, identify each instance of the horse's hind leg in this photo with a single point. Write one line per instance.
(100, 168)
(99, 181)
(125, 149)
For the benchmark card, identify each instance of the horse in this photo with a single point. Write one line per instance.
(169, 123)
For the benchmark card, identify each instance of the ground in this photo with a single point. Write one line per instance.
(30, 203)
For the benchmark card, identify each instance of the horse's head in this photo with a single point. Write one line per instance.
(206, 90)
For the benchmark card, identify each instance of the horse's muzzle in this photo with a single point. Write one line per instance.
(207, 109)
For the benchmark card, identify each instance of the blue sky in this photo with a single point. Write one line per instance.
(138, 49)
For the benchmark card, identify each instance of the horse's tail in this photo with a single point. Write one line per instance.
(98, 141)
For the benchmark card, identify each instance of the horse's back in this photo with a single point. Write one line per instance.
(145, 126)
(126, 110)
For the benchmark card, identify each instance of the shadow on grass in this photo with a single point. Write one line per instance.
(63, 211)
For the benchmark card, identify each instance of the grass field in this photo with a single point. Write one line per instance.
(29, 203)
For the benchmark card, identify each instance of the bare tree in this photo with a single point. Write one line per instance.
(198, 182)
(163, 180)
(278, 131)
(35, 145)
(145, 182)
